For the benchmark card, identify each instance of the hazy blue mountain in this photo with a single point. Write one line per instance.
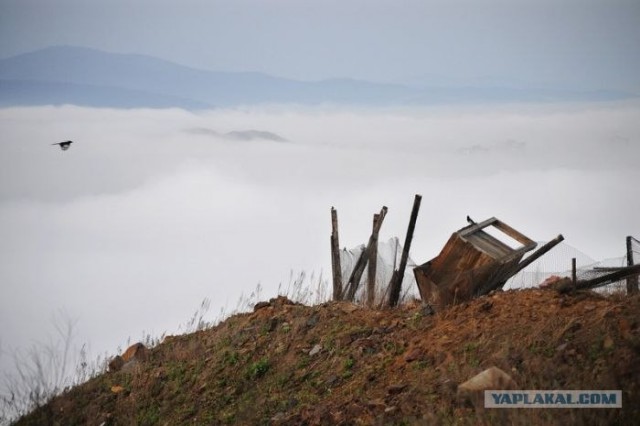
(83, 76)
(82, 66)
(32, 93)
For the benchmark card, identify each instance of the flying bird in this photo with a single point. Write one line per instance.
(64, 145)
(471, 221)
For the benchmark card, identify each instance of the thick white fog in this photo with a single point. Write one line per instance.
(151, 211)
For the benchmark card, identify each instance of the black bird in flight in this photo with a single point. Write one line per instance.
(64, 145)
(471, 221)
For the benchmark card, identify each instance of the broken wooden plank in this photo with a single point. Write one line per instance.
(608, 268)
(356, 274)
(501, 280)
(538, 253)
(395, 286)
(336, 266)
(371, 267)
(506, 229)
(629, 271)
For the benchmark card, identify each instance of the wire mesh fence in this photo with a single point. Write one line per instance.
(558, 262)
(388, 260)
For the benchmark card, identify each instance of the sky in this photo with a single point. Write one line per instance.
(152, 211)
(577, 44)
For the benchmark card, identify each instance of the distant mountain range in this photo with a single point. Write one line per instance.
(88, 77)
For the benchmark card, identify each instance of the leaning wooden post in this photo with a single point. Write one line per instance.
(618, 275)
(632, 281)
(395, 286)
(536, 254)
(501, 281)
(358, 269)
(336, 266)
(372, 266)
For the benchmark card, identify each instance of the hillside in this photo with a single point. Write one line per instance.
(338, 363)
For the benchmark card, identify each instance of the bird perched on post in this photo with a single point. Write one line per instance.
(471, 221)
(64, 145)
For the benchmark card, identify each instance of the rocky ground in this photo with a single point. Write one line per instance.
(339, 363)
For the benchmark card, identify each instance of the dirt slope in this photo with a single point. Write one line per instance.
(341, 364)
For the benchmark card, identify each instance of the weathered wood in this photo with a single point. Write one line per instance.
(629, 271)
(358, 269)
(472, 263)
(608, 268)
(395, 286)
(372, 266)
(574, 271)
(632, 281)
(518, 236)
(336, 266)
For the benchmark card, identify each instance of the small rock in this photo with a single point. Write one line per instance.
(280, 301)
(607, 343)
(427, 310)
(365, 345)
(273, 323)
(117, 389)
(348, 307)
(413, 355)
(550, 281)
(492, 378)
(390, 410)
(396, 389)
(486, 306)
(261, 305)
(376, 403)
(315, 350)
(278, 417)
(574, 327)
(137, 352)
(116, 364)
(313, 320)
(331, 380)
(561, 347)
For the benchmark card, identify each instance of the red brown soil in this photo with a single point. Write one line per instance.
(398, 366)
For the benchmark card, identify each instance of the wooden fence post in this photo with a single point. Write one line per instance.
(358, 269)
(574, 271)
(336, 266)
(372, 266)
(632, 281)
(395, 286)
